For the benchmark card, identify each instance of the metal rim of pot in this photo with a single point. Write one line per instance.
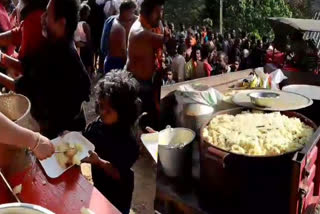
(225, 153)
(169, 148)
(27, 206)
(22, 96)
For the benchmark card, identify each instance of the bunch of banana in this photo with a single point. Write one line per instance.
(253, 81)
(256, 81)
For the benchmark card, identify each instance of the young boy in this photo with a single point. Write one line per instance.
(168, 80)
(111, 133)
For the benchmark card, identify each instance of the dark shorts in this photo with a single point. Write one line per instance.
(111, 63)
(119, 193)
(147, 96)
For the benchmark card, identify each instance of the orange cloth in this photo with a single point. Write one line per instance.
(193, 41)
(29, 34)
(157, 30)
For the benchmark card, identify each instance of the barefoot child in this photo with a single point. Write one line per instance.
(111, 133)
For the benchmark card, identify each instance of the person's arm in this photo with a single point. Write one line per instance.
(12, 63)
(94, 159)
(13, 134)
(6, 38)
(157, 40)
(87, 31)
(7, 82)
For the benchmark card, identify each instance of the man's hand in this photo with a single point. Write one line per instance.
(92, 159)
(44, 148)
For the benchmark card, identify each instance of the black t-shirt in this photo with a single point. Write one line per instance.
(56, 83)
(117, 145)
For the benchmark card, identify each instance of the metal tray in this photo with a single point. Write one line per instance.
(287, 101)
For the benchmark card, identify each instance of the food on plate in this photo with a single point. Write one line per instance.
(257, 134)
(17, 189)
(68, 154)
(86, 211)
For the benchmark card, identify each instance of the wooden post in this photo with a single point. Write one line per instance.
(221, 16)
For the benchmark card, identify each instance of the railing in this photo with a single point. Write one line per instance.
(314, 36)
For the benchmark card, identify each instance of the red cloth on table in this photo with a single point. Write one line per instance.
(29, 34)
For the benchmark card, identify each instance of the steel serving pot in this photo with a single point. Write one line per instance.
(176, 160)
(23, 208)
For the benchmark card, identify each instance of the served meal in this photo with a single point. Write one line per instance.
(257, 134)
(67, 154)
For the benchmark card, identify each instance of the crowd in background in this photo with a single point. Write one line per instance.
(200, 52)
(50, 52)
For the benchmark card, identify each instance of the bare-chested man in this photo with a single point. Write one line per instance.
(142, 49)
(115, 36)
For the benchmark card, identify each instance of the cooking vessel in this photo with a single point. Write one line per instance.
(195, 115)
(252, 184)
(17, 108)
(176, 161)
(23, 208)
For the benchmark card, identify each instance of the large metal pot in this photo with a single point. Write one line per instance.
(17, 108)
(23, 208)
(250, 184)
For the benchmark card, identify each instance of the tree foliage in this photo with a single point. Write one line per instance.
(248, 15)
(188, 12)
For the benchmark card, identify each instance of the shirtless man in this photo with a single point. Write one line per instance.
(142, 48)
(115, 36)
(143, 43)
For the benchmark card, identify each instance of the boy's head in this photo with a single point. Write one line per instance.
(237, 63)
(117, 96)
(152, 10)
(222, 59)
(169, 73)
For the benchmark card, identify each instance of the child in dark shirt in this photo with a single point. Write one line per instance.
(116, 149)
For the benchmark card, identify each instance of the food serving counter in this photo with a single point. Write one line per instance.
(183, 195)
(66, 194)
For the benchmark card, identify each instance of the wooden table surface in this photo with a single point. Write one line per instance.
(64, 195)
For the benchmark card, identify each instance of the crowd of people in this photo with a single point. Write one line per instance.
(196, 53)
(51, 52)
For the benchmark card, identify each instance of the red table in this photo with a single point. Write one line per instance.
(64, 195)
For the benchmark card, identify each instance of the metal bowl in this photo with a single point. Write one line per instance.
(264, 99)
(23, 208)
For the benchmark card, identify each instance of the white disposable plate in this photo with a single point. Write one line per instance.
(51, 165)
(310, 91)
(150, 141)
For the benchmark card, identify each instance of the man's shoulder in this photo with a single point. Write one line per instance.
(137, 30)
(117, 30)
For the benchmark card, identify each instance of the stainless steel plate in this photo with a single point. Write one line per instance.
(287, 101)
(23, 208)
